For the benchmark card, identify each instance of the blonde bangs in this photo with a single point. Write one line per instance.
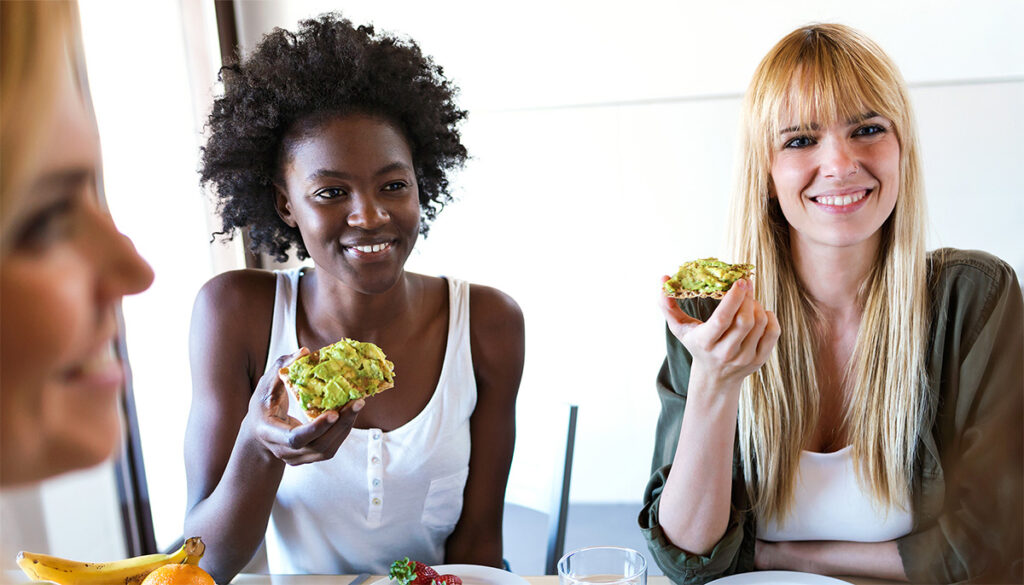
(817, 75)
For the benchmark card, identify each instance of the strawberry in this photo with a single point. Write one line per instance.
(447, 580)
(406, 572)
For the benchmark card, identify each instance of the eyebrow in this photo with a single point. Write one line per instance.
(329, 174)
(814, 126)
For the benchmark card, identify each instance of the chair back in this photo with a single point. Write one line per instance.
(541, 474)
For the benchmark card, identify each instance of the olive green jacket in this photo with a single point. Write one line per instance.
(969, 476)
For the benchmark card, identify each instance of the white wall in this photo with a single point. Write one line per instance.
(602, 140)
(603, 137)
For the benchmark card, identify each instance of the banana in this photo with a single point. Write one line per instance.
(40, 567)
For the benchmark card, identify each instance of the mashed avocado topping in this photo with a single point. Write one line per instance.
(706, 275)
(341, 372)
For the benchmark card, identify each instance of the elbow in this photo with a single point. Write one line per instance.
(689, 534)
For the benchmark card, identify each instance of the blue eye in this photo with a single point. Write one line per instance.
(869, 130)
(799, 142)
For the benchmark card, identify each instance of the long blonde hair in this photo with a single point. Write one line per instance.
(35, 37)
(820, 73)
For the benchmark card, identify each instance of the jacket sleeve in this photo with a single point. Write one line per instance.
(975, 494)
(735, 551)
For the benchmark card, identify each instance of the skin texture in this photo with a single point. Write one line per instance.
(347, 182)
(833, 251)
(64, 270)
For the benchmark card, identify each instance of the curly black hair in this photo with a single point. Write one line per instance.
(293, 79)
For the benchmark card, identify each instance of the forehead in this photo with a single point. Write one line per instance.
(351, 143)
(815, 101)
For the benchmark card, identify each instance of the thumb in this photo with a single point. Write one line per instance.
(677, 320)
(347, 416)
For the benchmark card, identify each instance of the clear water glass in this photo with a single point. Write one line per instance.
(603, 565)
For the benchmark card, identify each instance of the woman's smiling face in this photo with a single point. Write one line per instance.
(836, 181)
(64, 270)
(350, 188)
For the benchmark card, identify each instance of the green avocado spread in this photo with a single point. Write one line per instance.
(706, 275)
(341, 372)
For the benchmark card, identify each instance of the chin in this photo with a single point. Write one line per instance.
(82, 437)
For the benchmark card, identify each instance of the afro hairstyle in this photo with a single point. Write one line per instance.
(327, 67)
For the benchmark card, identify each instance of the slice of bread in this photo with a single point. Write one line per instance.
(705, 278)
(333, 376)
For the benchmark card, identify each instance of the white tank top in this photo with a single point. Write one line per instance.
(384, 495)
(830, 504)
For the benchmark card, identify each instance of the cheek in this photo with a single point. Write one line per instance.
(49, 315)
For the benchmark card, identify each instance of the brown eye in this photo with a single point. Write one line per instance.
(330, 193)
(396, 186)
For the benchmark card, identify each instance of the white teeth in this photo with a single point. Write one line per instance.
(372, 248)
(840, 200)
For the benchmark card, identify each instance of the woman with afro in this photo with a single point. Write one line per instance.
(334, 143)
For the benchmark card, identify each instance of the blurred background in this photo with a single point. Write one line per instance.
(602, 138)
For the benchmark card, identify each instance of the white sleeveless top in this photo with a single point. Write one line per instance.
(830, 504)
(384, 495)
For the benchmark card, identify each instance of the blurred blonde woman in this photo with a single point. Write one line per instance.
(63, 265)
(857, 409)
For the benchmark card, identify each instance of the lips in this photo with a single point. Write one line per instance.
(369, 249)
(99, 372)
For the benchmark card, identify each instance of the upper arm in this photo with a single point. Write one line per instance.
(224, 354)
(976, 480)
(497, 345)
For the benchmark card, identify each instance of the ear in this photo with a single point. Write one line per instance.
(283, 205)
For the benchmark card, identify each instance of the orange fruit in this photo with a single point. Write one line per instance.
(178, 575)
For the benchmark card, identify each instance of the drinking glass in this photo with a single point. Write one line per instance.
(603, 565)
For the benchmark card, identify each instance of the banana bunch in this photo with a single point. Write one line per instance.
(131, 571)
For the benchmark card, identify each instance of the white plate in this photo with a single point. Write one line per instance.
(777, 578)
(474, 575)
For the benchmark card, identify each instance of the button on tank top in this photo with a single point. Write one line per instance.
(384, 495)
(830, 504)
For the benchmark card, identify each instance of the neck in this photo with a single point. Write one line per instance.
(833, 276)
(337, 309)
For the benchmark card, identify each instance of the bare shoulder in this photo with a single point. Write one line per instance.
(238, 286)
(497, 341)
(232, 316)
(490, 307)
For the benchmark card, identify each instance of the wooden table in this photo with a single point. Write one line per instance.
(250, 579)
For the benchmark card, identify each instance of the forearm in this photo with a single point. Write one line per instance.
(695, 504)
(474, 544)
(880, 560)
(232, 519)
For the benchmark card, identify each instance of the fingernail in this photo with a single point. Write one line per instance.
(332, 416)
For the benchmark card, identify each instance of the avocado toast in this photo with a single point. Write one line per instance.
(707, 277)
(333, 376)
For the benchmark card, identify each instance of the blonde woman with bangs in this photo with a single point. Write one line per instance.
(857, 409)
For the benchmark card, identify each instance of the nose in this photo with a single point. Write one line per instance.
(838, 159)
(120, 269)
(367, 212)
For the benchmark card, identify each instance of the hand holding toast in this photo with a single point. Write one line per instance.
(284, 436)
(734, 342)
